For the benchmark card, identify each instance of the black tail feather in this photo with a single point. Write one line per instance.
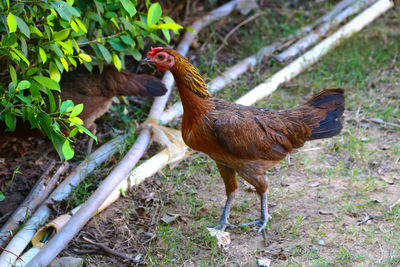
(332, 102)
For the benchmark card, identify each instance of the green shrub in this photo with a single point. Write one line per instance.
(42, 38)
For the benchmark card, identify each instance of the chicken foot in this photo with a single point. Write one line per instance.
(223, 222)
(262, 222)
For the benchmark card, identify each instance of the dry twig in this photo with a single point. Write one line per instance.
(236, 28)
(112, 252)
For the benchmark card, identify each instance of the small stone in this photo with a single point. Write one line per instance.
(67, 262)
(264, 262)
(315, 184)
(223, 238)
(321, 242)
(169, 217)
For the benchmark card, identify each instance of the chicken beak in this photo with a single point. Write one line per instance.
(147, 61)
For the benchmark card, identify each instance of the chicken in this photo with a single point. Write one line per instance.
(245, 140)
(95, 91)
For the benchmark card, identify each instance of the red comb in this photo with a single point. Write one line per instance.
(154, 51)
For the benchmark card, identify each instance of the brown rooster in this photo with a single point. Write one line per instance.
(241, 139)
(95, 91)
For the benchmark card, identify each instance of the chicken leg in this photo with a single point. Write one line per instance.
(262, 222)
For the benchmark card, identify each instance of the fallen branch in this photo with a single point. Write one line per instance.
(110, 251)
(381, 122)
(307, 41)
(366, 218)
(24, 236)
(38, 194)
(121, 171)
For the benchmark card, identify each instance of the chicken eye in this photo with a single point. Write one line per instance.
(160, 56)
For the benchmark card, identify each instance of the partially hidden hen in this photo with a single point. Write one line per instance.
(245, 140)
(95, 91)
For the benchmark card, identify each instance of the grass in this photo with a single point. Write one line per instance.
(347, 167)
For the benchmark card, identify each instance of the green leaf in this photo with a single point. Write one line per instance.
(105, 53)
(81, 25)
(116, 44)
(67, 45)
(76, 121)
(170, 26)
(31, 71)
(11, 22)
(129, 7)
(86, 131)
(51, 100)
(61, 35)
(11, 121)
(2, 197)
(47, 82)
(23, 27)
(9, 40)
(20, 55)
(85, 57)
(67, 151)
(127, 40)
(26, 100)
(117, 61)
(54, 72)
(24, 84)
(13, 75)
(136, 54)
(72, 60)
(76, 110)
(154, 14)
(189, 29)
(73, 132)
(35, 30)
(166, 34)
(74, 26)
(56, 50)
(65, 105)
(64, 63)
(43, 55)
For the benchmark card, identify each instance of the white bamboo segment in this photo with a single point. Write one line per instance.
(24, 236)
(38, 194)
(309, 58)
(309, 40)
(120, 172)
(233, 73)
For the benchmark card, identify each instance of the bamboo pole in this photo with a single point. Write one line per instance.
(38, 194)
(309, 58)
(306, 42)
(24, 236)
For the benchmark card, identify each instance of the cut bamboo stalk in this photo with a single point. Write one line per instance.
(309, 58)
(233, 73)
(38, 194)
(306, 42)
(175, 152)
(120, 172)
(24, 236)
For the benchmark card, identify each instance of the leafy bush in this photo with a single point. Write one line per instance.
(42, 38)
